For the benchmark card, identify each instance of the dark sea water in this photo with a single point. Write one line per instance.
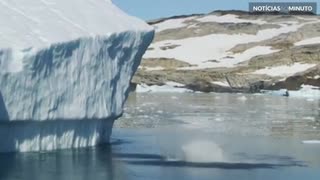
(191, 136)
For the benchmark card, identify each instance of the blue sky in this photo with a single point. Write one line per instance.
(152, 9)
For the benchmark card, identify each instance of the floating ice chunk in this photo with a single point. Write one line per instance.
(311, 142)
(242, 98)
(309, 118)
(174, 97)
(311, 93)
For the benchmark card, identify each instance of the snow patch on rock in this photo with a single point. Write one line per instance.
(172, 24)
(201, 51)
(285, 70)
(229, 18)
(221, 83)
(310, 41)
(169, 87)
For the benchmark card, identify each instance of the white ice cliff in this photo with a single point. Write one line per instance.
(65, 68)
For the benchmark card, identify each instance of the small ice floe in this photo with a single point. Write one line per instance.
(310, 100)
(159, 112)
(218, 119)
(217, 97)
(128, 116)
(311, 93)
(174, 97)
(307, 91)
(311, 142)
(172, 159)
(242, 98)
(281, 92)
(309, 118)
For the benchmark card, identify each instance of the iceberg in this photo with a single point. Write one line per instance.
(65, 68)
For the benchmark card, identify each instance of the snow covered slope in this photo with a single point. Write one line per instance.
(231, 51)
(61, 63)
(210, 48)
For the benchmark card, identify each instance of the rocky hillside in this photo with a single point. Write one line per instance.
(232, 51)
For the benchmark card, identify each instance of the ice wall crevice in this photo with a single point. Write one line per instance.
(4, 116)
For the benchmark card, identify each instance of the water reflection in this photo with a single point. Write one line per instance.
(82, 164)
(101, 163)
